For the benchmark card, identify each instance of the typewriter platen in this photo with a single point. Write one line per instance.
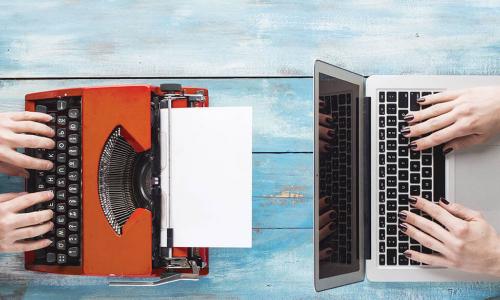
(108, 213)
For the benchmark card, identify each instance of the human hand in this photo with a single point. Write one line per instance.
(326, 133)
(465, 241)
(459, 118)
(17, 130)
(16, 226)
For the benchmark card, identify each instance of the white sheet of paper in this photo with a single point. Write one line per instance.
(211, 180)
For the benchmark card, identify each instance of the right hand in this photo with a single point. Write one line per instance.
(16, 226)
(20, 130)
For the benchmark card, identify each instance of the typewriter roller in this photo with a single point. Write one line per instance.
(108, 201)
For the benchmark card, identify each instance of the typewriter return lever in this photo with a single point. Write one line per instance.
(165, 278)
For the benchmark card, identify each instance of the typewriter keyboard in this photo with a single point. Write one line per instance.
(64, 180)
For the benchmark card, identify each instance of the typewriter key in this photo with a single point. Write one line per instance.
(61, 170)
(61, 195)
(73, 176)
(61, 232)
(73, 201)
(73, 188)
(73, 113)
(61, 245)
(61, 258)
(61, 133)
(62, 120)
(73, 226)
(61, 219)
(61, 182)
(73, 213)
(51, 257)
(73, 138)
(73, 126)
(73, 151)
(61, 207)
(73, 163)
(61, 158)
(61, 145)
(62, 104)
(73, 239)
(73, 251)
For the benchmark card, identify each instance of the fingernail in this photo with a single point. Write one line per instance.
(50, 193)
(405, 131)
(332, 227)
(407, 254)
(413, 145)
(445, 202)
(329, 120)
(412, 200)
(403, 227)
(333, 215)
(331, 133)
(420, 100)
(402, 215)
(409, 117)
(327, 200)
(329, 252)
(448, 150)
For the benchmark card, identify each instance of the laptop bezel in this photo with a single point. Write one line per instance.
(359, 80)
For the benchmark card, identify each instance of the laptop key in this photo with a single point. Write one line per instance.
(413, 101)
(392, 241)
(391, 97)
(403, 99)
(381, 260)
(392, 257)
(403, 261)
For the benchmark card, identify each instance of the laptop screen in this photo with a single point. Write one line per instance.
(337, 189)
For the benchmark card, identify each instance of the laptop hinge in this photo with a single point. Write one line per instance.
(367, 175)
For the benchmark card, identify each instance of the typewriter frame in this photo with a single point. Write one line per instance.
(135, 108)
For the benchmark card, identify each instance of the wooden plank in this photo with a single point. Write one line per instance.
(279, 266)
(243, 38)
(282, 190)
(282, 108)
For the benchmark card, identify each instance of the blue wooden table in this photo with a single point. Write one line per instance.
(257, 53)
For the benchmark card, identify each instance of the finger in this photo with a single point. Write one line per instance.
(326, 231)
(438, 213)
(325, 120)
(32, 141)
(325, 253)
(32, 218)
(24, 161)
(327, 217)
(437, 138)
(30, 116)
(459, 210)
(435, 260)
(28, 200)
(9, 196)
(427, 226)
(28, 245)
(31, 231)
(430, 112)
(324, 147)
(32, 127)
(440, 97)
(423, 238)
(11, 170)
(462, 142)
(428, 126)
(326, 134)
(324, 202)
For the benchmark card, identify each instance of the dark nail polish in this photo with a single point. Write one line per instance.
(412, 200)
(407, 254)
(402, 216)
(331, 133)
(446, 151)
(405, 131)
(409, 117)
(413, 146)
(403, 227)
(329, 120)
(333, 215)
(420, 100)
(446, 202)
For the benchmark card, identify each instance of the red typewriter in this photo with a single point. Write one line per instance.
(106, 183)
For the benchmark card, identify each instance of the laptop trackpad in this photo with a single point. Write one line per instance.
(474, 179)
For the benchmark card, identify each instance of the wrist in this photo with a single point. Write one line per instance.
(495, 266)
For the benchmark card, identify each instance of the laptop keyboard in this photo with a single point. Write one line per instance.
(335, 178)
(402, 173)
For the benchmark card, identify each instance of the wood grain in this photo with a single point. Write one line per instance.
(247, 38)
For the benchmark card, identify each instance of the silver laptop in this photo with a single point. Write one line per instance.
(364, 173)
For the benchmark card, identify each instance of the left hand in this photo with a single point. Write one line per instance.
(465, 241)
